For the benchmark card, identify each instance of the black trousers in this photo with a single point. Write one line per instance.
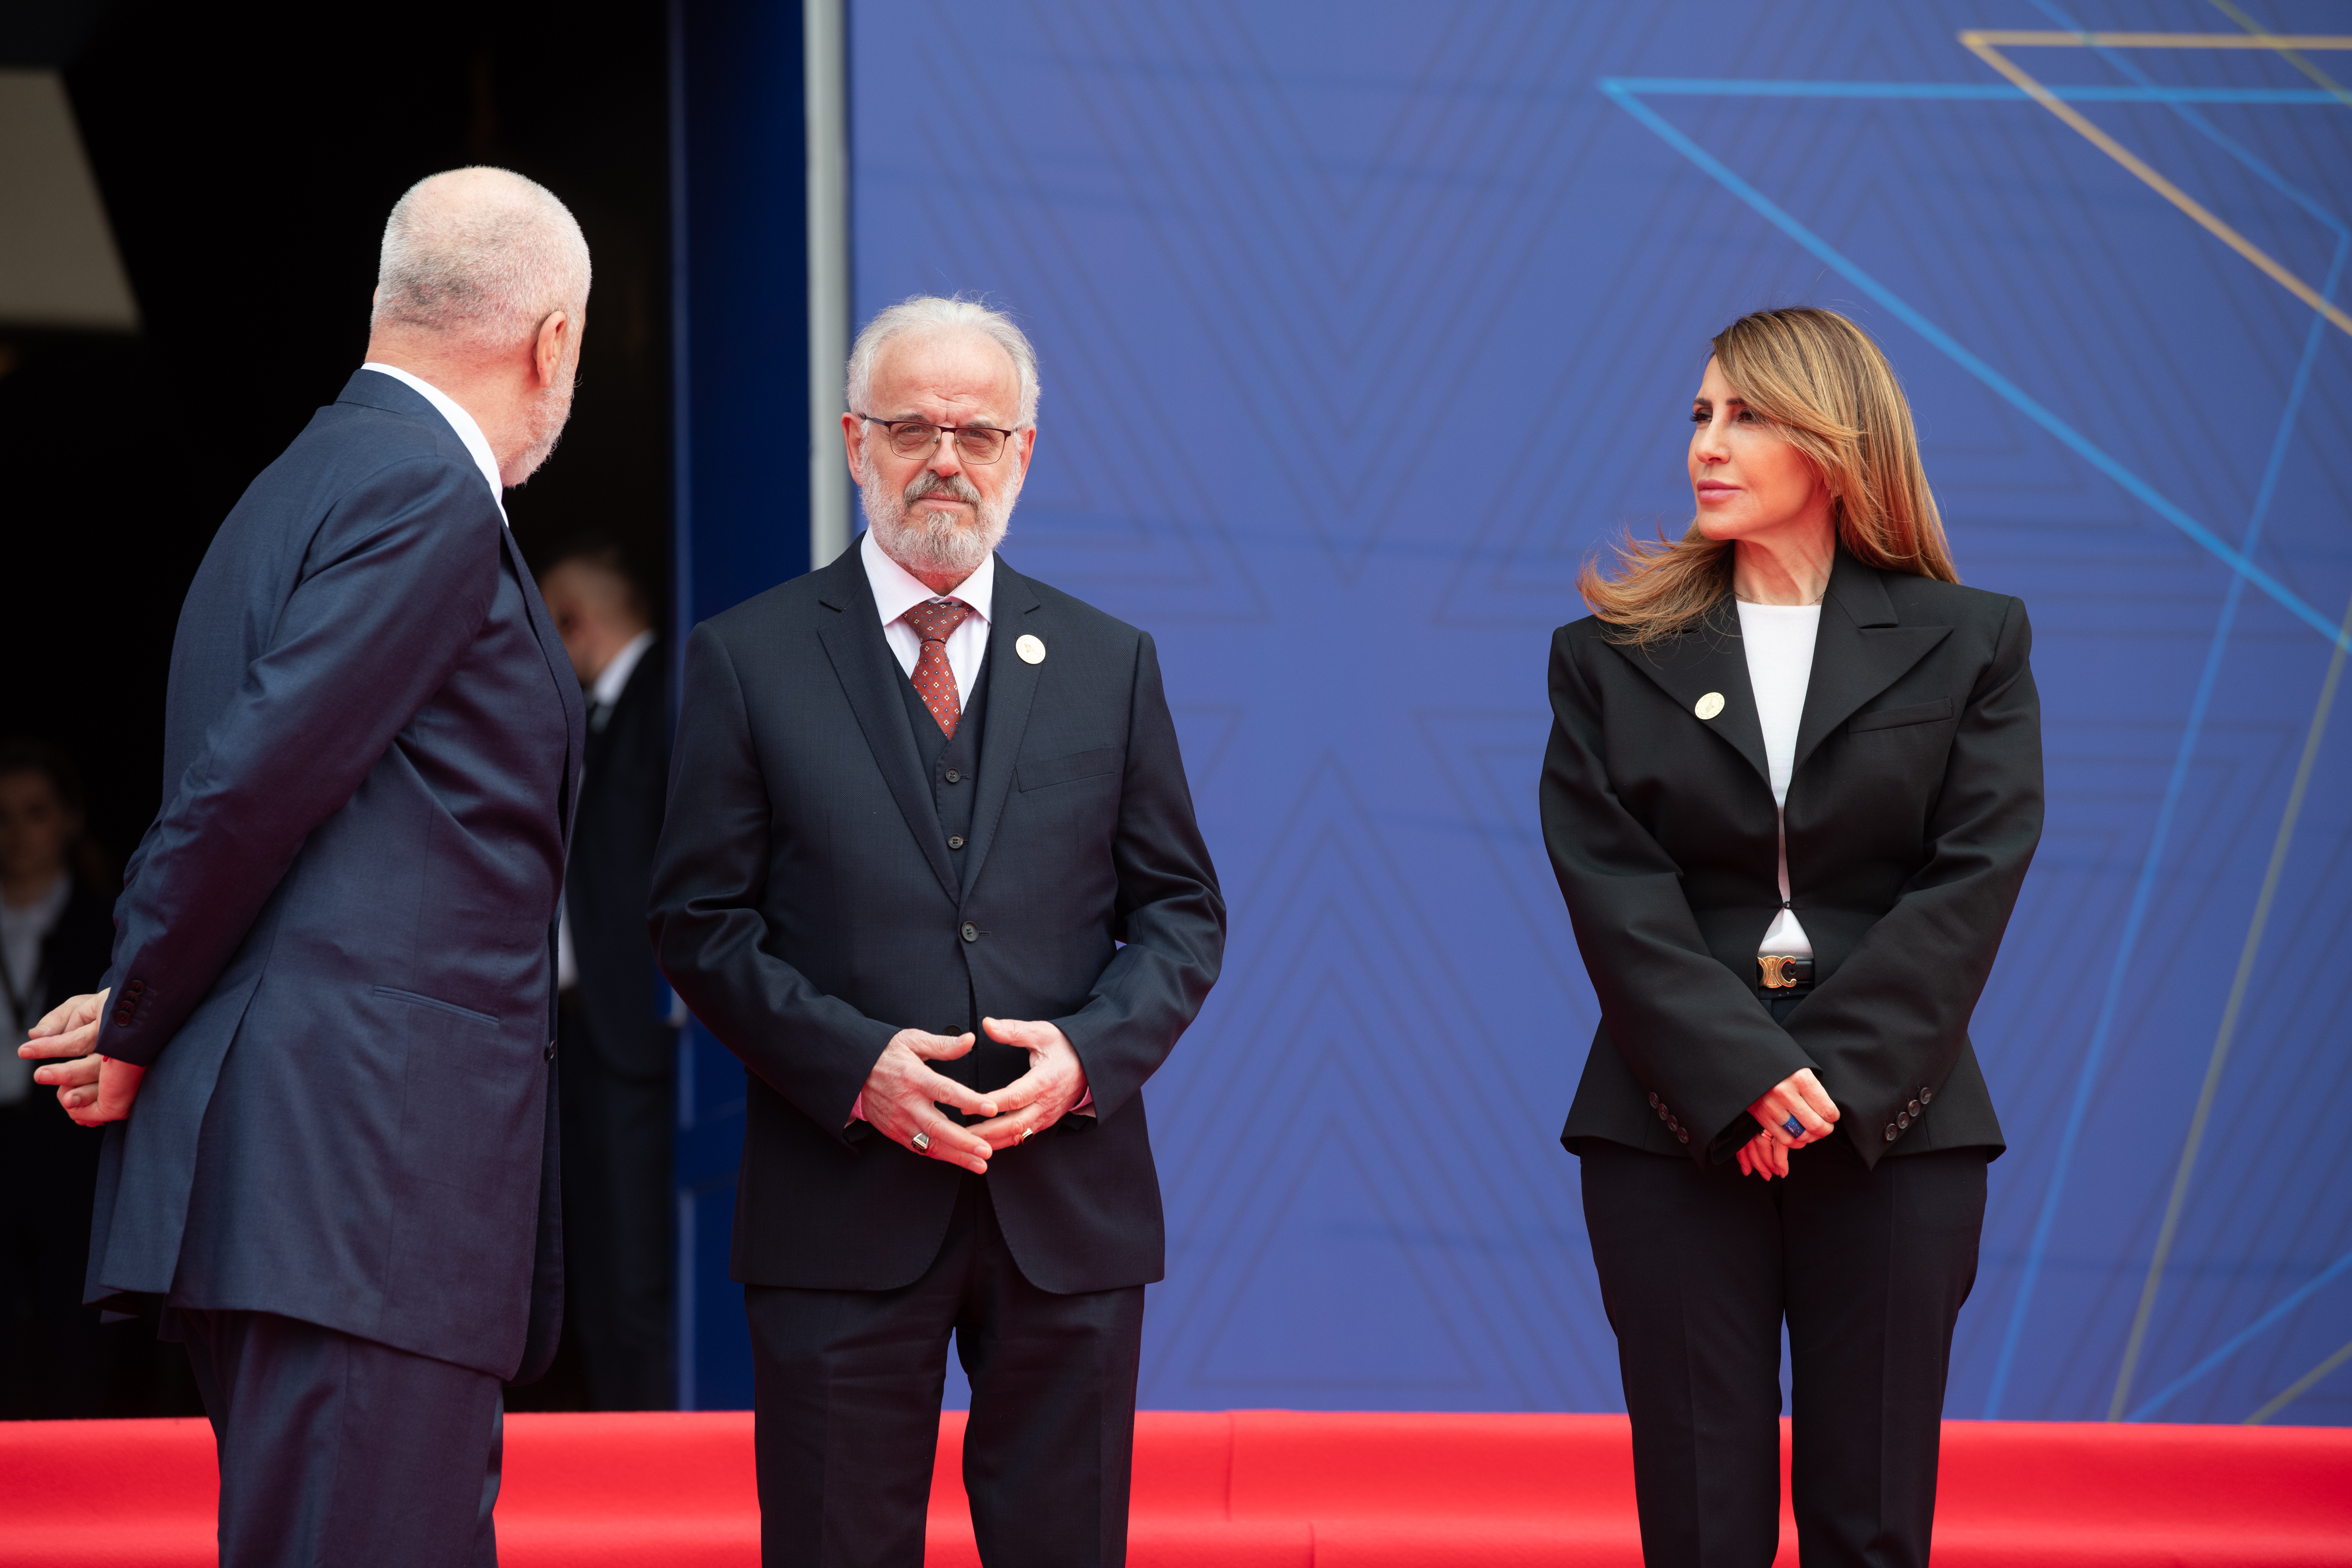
(619, 1262)
(847, 1386)
(335, 1449)
(1698, 1268)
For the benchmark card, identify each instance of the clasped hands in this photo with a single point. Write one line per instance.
(1800, 1095)
(903, 1094)
(94, 1089)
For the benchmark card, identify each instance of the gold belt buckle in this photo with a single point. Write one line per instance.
(1775, 968)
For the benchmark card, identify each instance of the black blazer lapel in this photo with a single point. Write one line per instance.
(1710, 658)
(1859, 651)
(861, 656)
(1011, 691)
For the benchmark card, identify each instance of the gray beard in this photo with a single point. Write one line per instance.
(934, 543)
(550, 412)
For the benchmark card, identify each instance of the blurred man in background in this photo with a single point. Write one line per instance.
(55, 935)
(618, 1084)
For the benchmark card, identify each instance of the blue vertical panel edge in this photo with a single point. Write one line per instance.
(741, 329)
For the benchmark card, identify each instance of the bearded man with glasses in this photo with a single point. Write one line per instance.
(931, 869)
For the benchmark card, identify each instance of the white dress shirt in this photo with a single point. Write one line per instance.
(896, 591)
(1780, 643)
(615, 678)
(459, 421)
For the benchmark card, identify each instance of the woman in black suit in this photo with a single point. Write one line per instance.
(1793, 784)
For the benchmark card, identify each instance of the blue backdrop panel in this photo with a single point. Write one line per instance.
(739, 290)
(1363, 324)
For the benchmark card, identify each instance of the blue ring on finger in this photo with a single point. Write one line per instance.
(1793, 1128)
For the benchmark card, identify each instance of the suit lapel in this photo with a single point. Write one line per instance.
(1859, 651)
(1710, 658)
(869, 675)
(1011, 691)
(567, 683)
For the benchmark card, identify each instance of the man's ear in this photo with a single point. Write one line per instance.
(555, 334)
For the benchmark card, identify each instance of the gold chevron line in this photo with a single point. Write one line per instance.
(2289, 56)
(2003, 37)
(1985, 46)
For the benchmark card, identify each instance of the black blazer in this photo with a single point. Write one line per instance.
(807, 907)
(611, 873)
(335, 944)
(1914, 808)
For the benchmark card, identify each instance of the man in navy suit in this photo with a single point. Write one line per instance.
(931, 869)
(325, 1044)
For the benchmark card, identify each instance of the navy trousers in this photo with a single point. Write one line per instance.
(338, 1450)
(847, 1385)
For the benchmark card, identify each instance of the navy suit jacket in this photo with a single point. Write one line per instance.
(334, 947)
(807, 905)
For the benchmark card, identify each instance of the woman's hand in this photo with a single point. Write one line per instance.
(1763, 1155)
(1800, 1098)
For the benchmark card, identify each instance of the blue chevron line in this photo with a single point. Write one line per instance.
(1621, 90)
(2144, 887)
(2244, 1338)
(2138, 489)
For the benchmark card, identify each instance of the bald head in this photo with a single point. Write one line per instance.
(483, 291)
(479, 257)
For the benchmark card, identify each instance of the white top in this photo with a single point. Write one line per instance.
(23, 929)
(1780, 643)
(896, 591)
(459, 421)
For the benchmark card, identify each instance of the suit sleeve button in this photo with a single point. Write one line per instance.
(1926, 1095)
(1912, 1107)
(1681, 1134)
(1890, 1133)
(1653, 1099)
(970, 932)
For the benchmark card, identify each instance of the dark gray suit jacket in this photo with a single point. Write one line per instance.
(612, 869)
(807, 907)
(334, 948)
(1913, 812)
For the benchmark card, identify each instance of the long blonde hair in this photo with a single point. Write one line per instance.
(1826, 389)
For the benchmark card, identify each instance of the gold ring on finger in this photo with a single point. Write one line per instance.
(1026, 1135)
(922, 1142)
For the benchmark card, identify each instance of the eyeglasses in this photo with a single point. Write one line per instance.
(913, 438)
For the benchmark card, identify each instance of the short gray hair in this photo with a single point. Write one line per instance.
(480, 253)
(928, 315)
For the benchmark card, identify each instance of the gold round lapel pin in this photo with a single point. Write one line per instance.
(1708, 706)
(1033, 651)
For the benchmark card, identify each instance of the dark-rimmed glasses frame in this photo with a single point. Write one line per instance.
(982, 443)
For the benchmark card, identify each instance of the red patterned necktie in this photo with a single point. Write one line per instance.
(935, 621)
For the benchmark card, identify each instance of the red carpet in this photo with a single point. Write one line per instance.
(1262, 1487)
